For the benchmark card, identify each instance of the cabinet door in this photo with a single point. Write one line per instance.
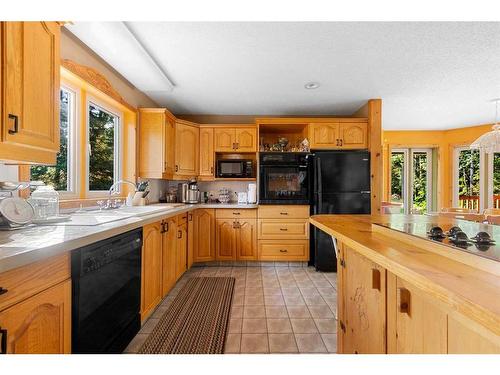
(186, 150)
(169, 149)
(420, 324)
(31, 73)
(204, 238)
(353, 135)
(151, 138)
(40, 324)
(364, 305)
(247, 239)
(169, 255)
(324, 136)
(207, 152)
(190, 240)
(225, 139)
(468, 337)
(246, 139)
(151, 268)
(181, 250)
(226, 239)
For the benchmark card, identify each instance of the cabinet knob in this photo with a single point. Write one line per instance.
(190, 216)
(283, 229)
(283, 213)
(179, 234)
(3, 290)
(340, 140)
(177, 168)
(404, 301)
(236, 213)
(212, 170)
(16, 123)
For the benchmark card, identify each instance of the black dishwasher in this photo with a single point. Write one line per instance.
(106, 279)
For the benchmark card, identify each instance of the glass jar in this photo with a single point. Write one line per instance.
(45, 202)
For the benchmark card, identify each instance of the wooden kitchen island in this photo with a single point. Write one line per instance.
(401, 293)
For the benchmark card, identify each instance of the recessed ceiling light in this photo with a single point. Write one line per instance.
(311, 85)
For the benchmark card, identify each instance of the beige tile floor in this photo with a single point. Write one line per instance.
(275, 309)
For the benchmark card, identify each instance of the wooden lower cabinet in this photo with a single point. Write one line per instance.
(151, 268)
(362, 322)
(190, 240)
(236, 239)
(40, 324)
(417, 323)
(169, 254)
(468, 337)
(182, 247)
(204, 235)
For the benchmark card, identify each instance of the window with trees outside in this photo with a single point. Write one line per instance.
(411, 180)
(467, 179)
(62, 175)
(103, 148)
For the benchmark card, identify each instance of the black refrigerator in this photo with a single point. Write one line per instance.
(341, 185)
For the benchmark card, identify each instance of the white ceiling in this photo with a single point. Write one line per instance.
(429, 75)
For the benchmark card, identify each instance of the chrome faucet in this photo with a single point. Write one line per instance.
(112, 190)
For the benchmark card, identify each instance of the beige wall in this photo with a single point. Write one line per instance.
(73, 49)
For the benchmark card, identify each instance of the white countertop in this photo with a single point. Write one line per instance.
(24, 246)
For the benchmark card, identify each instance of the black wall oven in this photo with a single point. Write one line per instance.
(284, 178)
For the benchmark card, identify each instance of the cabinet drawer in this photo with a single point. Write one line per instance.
(28, 280)
(283, 212)
(283, 229)
(227, 213)
(284, 250)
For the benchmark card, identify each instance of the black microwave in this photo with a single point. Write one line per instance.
(235, 168)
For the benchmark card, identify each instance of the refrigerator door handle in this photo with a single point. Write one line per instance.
(365, 192)
(319, 185)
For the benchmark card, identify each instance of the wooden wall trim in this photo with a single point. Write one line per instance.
(96, 79)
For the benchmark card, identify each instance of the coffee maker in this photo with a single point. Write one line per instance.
(189, 192)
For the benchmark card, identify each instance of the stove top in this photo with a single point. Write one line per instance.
(475, 238)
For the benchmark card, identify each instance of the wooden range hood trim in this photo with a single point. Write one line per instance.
(96, 79)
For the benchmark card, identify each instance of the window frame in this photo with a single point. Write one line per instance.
(118, 144)
(483, 167)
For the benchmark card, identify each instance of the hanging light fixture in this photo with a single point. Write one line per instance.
(489, 142)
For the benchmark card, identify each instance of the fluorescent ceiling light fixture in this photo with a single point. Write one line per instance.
(115, 43)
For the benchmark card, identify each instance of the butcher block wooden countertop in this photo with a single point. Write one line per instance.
(468, 283)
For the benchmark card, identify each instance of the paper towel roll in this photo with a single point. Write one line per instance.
(252, 193)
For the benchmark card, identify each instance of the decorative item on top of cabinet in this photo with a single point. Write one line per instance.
(207, 168)
(239, 138)
(187, 146)
(40, 324)
(156, 142)
(30, 92)
(204, 235)
(151, 268)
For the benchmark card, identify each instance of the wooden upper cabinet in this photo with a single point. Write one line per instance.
(419, 324)
(156, 138)
(30, 90)
(151, 268)
(363, 304)
(225, 138)
(324, 135)
(226, 239)
(247, 239)
(40, 324)
(353, 135)
(204, 235)
(186, 149)
(206, 152)
(246, 139)
(235, 139)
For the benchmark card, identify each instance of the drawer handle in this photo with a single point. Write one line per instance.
(283, 251)
(190, 216)
(179, 234)
(3, 290)
(283, 229)
(283, 213)
(3, 341)
(16, 123)
(404, 301)
(376, 279)
(236, 213)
